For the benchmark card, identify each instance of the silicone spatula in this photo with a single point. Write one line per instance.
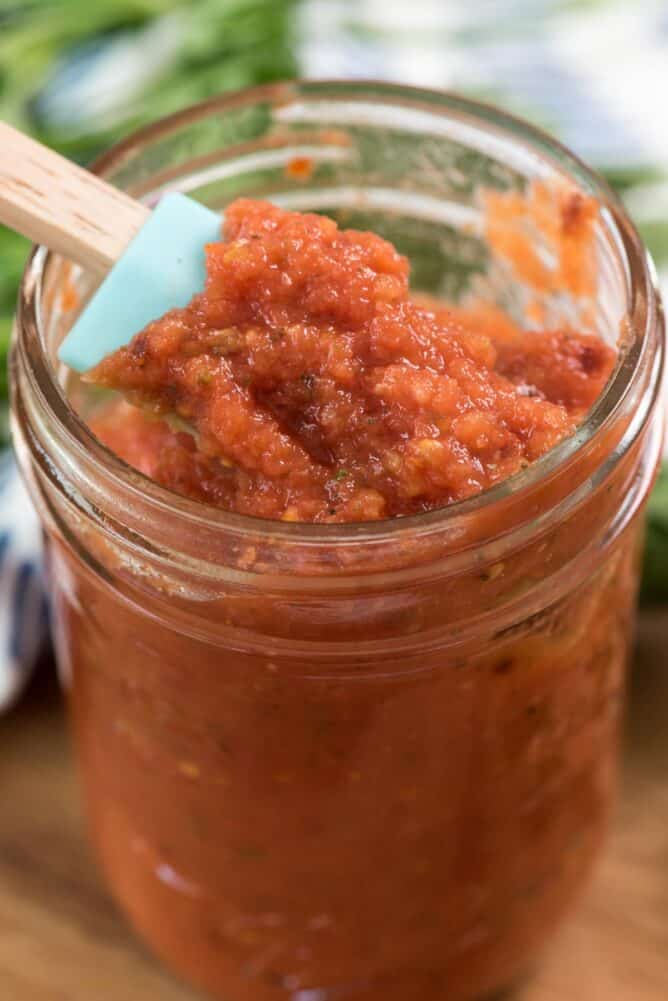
(151, 261)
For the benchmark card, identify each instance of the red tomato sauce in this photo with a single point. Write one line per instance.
(310, 386)
(315, 778)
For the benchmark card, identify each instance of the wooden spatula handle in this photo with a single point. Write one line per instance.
(53, 201)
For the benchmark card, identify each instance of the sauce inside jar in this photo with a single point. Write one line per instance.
(366, 782)
(305, 383)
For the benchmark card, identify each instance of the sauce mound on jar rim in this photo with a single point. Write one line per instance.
(306, 384)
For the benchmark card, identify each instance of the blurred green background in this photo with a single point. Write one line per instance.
(79, 75)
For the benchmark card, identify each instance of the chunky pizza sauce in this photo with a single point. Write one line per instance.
(362, 770)
(304, 383)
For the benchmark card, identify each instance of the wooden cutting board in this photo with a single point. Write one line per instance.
(61, 938)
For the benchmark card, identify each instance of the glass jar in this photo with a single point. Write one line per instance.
(362, 761)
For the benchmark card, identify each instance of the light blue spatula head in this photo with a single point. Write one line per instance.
(161, 269)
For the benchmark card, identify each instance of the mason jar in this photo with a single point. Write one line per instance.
(361, 761)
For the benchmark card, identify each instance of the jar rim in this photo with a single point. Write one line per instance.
(643, 312)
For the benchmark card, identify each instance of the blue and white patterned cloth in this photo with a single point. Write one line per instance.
(23, 617)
